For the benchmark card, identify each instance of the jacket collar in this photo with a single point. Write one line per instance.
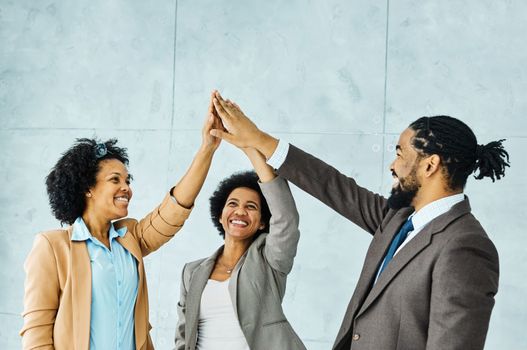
(82, 233)
(198, 280)
(81, 291)
(409, 251)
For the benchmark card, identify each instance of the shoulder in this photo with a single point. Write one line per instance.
(259, 242)
(467, 228)
(49, 247)
(189, 269)
(57, 239)
(255, 251)
(190, 266)
(129, 223)
(467, 234)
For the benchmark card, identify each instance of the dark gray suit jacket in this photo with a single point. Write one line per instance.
(436, 293)
(257, 285)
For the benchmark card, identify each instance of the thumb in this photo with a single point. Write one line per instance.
(221, 134)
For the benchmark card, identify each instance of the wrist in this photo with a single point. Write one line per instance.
(206, 150)
(266, 144)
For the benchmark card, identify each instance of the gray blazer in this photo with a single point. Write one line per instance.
(257, 285)
(436, 293)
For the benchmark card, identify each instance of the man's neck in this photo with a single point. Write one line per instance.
(421, 201)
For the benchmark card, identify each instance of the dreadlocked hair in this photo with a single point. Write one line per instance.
(455, 143)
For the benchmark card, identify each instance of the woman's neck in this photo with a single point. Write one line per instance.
(234, 249)
(99, 228)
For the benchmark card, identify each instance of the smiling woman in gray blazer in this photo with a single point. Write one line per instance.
(233, 299)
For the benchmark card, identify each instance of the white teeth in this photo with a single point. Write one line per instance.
(121, 199)
(395, 182)
(238, 222)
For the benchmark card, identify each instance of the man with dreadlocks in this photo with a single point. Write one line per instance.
(431, 272)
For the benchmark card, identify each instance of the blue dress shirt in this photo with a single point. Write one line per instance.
(114, 280)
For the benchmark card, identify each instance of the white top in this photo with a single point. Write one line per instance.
(218, 326)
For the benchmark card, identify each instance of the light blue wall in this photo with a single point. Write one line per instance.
(338, 78)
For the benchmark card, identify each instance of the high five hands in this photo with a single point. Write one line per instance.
(238, 129)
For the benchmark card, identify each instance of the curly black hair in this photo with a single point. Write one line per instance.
(75, 173)
(218, 199)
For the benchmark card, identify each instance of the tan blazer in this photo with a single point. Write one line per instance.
(57, 295)
(438, 291)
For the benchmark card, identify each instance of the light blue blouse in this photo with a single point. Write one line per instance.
(114, 290)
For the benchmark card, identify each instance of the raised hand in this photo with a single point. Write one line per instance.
(212, 122)
(239, 130)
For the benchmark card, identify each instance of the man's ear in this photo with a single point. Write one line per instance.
(433, 165)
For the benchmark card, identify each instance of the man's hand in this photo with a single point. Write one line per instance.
(239, 130)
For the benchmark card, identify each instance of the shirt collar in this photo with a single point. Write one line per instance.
(432, 210)
(81, 232)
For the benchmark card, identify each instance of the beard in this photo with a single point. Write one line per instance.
(404, 193)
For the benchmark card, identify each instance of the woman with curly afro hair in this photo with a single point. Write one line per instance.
(233, 299)
(85, 284)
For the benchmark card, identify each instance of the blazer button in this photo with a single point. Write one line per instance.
(356, 337)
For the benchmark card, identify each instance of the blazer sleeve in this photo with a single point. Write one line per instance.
(159, 226)
(181, 309)
(282, 241)
(339, 192)
(41, 296)
(464, 283)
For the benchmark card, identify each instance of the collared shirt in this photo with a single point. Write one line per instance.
(429, 212)
(114, 290)
(426, 214)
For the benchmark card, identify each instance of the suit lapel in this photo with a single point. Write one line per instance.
(411, 249)
(376, 251)
(81, 291)
(399, 261)
(130, 244)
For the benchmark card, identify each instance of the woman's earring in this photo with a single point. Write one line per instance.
(88, 194)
